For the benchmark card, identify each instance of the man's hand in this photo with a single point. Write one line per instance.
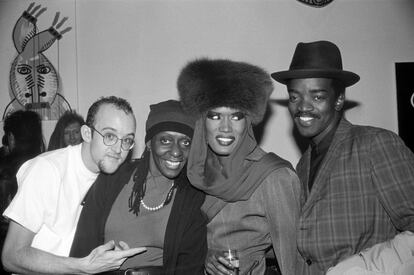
(109, 256)
(18, 256)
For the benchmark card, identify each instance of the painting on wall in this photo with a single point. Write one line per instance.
(35, 83)
(405, 101)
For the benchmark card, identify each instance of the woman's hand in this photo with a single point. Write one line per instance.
(215, 264)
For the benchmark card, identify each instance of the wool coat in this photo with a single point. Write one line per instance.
(362, 195)
(185, 243)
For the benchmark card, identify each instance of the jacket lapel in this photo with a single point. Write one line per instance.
(173, 233)
(320, 184)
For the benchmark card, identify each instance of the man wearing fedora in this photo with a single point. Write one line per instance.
(358, 181)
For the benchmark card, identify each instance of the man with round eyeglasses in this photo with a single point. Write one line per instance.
(45, 211)
(110, 139)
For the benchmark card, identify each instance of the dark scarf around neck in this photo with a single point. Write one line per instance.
(245, 169)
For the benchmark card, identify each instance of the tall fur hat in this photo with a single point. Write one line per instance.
(204, 84)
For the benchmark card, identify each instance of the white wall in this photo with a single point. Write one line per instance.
(135, 49)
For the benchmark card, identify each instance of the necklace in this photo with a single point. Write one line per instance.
(156, 208)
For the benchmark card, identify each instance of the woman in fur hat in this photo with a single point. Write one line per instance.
(252, 197)
(150, 202)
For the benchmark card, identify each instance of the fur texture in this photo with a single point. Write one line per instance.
(204, 84)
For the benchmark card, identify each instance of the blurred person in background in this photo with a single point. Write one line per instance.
(4, 150)
(22, 140)
(67, 131)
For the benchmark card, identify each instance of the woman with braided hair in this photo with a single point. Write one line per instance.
(150, 202)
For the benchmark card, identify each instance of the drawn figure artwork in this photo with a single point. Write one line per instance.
(34, 81)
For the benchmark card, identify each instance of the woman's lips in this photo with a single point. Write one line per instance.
(225, 141)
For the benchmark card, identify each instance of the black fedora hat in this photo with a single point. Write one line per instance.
(320, 59)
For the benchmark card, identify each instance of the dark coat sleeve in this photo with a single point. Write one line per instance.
(96, 207)
(186, 234)
(392, 172)
(185, 244)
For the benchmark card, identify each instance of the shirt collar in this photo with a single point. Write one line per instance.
(325, 142)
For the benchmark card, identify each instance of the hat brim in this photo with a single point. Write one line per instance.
(347, 78)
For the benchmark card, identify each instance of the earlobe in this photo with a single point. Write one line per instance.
(339, 104)
(86, 133)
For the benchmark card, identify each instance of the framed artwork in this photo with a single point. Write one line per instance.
(38, 58)
(404, 73)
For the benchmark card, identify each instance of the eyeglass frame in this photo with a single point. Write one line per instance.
(116, 140)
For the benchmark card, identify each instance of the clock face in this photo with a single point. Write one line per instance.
(316, 3)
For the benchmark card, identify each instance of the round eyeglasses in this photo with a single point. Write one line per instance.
(110, 139)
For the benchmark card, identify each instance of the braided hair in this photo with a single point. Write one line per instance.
(140, 179)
